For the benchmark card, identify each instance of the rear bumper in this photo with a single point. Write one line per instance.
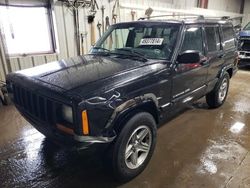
(66, 140)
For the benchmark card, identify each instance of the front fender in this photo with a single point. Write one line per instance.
(147, 102)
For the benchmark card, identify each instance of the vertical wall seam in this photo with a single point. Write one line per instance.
(19, 63)
(46, 59)
(33, 61)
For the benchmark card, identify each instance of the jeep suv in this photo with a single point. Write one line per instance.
(116, 95)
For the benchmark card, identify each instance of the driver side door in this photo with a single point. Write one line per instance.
(189, 79)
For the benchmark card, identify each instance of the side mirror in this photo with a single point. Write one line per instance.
(188, 57)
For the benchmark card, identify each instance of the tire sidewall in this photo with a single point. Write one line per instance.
(227, 77)
(121, 171)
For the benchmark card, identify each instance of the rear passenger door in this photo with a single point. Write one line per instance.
(214, 52)
(189, 79)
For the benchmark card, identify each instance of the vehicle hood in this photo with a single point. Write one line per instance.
(245, 33)
(82, 70)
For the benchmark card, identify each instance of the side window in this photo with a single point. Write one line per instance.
(193, 40)
(228, 34)
(213, 40)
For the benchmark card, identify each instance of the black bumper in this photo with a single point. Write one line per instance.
(63, 139)
(244, 62)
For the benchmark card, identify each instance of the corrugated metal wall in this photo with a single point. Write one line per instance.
(65, 29)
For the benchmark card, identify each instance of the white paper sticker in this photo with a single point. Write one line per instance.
(151, 41)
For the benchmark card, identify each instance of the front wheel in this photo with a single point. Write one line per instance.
(219, 94)
(134, 146)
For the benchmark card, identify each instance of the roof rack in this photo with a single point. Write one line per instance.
(186, 16)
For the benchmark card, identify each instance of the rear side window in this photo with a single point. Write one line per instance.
(213, 39)
(193, 40)
(228, 34)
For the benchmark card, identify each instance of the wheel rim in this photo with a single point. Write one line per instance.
(138, 147)
(223, 90)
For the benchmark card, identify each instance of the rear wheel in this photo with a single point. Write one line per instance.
(134, 146)
(218, 96)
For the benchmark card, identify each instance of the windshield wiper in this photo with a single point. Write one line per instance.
(100, 48)
(132, 52)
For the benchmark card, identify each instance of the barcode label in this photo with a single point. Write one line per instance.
(151, 41)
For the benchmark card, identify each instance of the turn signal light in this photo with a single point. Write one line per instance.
(85, 123)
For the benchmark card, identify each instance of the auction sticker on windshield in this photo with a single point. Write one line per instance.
(151, 41)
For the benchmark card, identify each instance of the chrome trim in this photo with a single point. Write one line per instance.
(92, 139)
(198, 89)
(165, 105)
(187, 99)
(181, 93)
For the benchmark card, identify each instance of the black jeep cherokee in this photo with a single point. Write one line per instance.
(117, 94)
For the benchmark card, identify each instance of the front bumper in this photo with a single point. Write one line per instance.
(66, 140)
(244, 55)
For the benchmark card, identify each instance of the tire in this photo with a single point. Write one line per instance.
(218, 95)
(128, 140)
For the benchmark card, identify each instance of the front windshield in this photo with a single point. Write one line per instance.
(149, 40)
(247, 27)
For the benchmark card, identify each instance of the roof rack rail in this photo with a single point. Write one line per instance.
(169, 15)
(186, 16)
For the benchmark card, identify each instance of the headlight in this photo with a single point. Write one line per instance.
(67, 113)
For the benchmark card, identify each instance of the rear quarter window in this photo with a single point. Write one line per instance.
(228, 37)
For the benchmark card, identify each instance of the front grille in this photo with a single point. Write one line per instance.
(35, 105)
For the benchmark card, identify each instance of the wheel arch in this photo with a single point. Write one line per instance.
(227, 69)
(146, 103)
(230, 72)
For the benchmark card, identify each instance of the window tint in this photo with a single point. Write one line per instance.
(213, 40)
(193, 40)
(228, 34)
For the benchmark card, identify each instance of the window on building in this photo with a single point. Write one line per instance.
(27, 30)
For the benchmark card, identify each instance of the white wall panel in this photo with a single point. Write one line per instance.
(246, 12)
(61, 31)
(225, 5)
(14, 64)
(50, 58)
(69, 30)
(2, 77)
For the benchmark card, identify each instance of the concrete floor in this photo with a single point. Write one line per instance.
(198, 148)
